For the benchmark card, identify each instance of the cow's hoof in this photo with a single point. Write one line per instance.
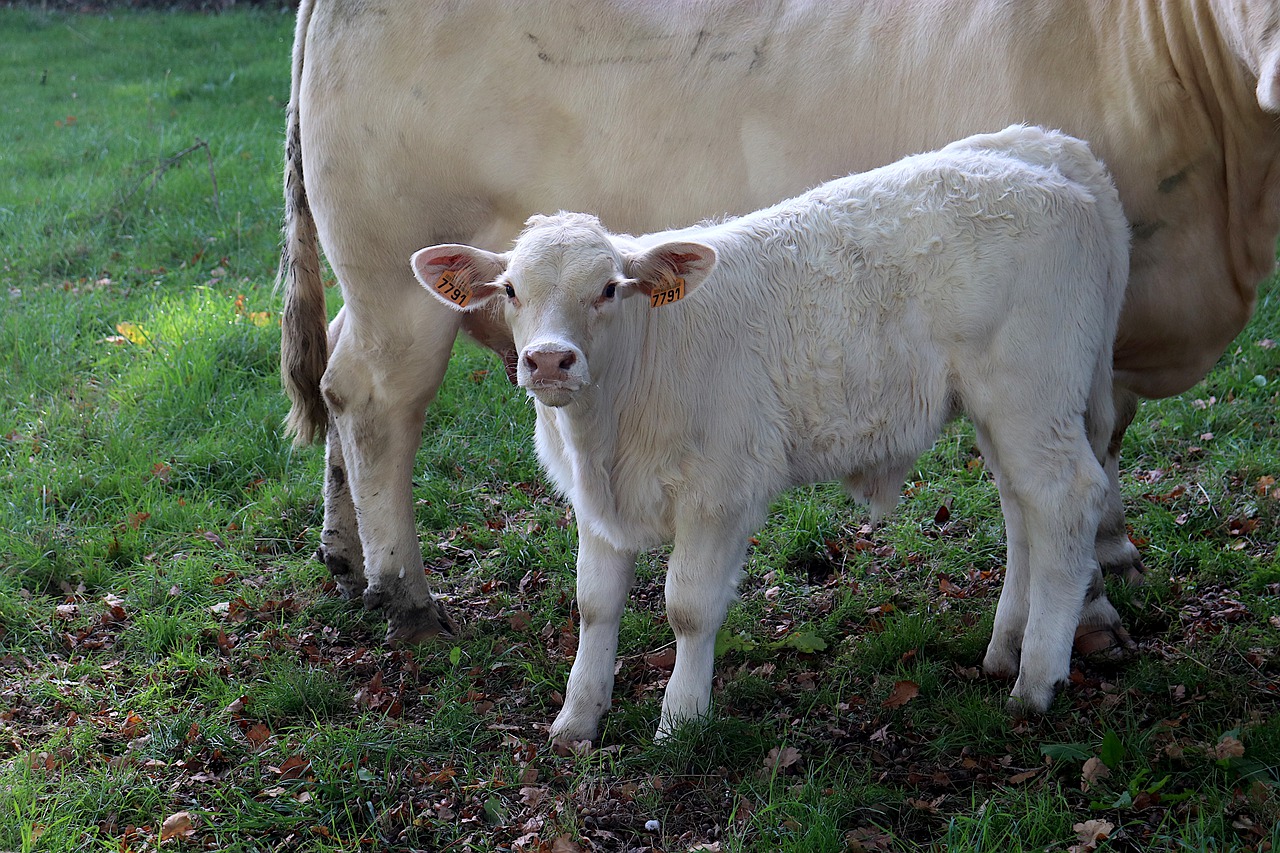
(351, 583)
(1111, 643)
(411, 625)
(1133, 572)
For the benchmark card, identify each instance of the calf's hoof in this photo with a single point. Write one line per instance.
(1001, 661)
(1027, 702)
(573, 732)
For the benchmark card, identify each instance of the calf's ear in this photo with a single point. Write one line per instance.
(1268, 90)
(462, 277)
(669, 272)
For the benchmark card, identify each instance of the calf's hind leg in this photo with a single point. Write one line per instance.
(1050, 477)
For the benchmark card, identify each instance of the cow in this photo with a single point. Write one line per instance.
(412, 123)
(683, 379)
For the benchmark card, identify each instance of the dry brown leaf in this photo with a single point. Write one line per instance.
(1019, 778)
(565, 844)
(662, 659)
(1092, 771)
(1228, 747)
(1090, 833)
(177, 825)
(780, 760)
(257, 734)
(902, 693)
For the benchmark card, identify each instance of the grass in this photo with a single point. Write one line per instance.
(168, 646)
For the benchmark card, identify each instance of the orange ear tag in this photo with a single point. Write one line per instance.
(446, 287)
(673, 293)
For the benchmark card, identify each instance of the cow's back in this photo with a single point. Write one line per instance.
(427, 123)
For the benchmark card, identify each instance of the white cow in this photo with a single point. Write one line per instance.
(831, 336)
(417, 122)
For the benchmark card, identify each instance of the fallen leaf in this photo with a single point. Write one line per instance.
(662, 659)
(902, 693)
(132, 726)
(257, 734)
(132, 332)
(294, 767)
(115, 607)
(780, 760)
(1092, 771)
(1227, 748)
(176, 825)
(1089, 834)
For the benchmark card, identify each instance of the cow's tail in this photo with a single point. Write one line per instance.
(304, 343)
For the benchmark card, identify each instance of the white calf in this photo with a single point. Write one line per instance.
(832, 336)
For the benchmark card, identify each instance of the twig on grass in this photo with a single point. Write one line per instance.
(158, 171)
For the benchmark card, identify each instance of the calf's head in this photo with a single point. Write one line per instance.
(561, 285)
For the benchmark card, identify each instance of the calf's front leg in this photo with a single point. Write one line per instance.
(605, 575)
(702, 579)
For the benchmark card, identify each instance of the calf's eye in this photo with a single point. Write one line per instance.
(511, 292)
(610, 290)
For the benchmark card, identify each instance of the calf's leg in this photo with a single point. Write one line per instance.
(1005, 649)
(605, 575)
(1049, 471)
(702, 579)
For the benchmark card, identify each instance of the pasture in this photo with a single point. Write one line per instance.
(177, 672)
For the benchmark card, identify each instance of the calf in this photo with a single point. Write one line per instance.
(829, 336)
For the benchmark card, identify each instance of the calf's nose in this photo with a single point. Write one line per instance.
(549, 365)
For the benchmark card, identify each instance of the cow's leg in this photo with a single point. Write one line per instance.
(1116, 553)
(1050, 472)
(340, 549)
(1100, 628)
(702, 578)
(385, 368)
(605, 575)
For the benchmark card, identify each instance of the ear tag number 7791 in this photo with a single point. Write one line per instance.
(450, 290)
(673, 293)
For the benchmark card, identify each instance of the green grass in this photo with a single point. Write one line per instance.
(167, 643)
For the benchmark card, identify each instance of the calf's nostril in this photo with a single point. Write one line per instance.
(567, 361)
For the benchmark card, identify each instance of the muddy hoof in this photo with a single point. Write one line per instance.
(1132, 572)
(350, 583)
(1112, 644)
(418, 624)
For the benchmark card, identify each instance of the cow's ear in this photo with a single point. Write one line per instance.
(669, 272)
(464, 277)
